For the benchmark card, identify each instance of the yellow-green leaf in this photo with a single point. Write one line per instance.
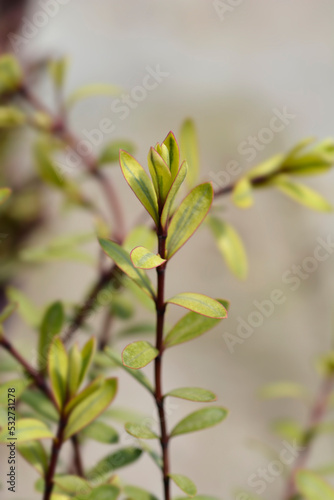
(134, 493)
(52, 323)
(242, 195)
(139, 354)
(140, 431)
(4, 194)
(90, 407)
(74, 369)
(110, 153)
(138, 375)
(92, 90)
(101, 432)
(123, 261)
(72, 484)
(87, 355)
(120, 458)
(189, 150)
(302, 194)
(34, 453)
(173, 154)
(29, 312)
(84, 394)
(57, 368)
(188, 217)
(10, 73)
(312, 487)
(27, 429)
(160, 173)
(266, 168)
(283, 390)
(200, 419)
(58, 69)
(193, 394)
(140, 183)
(11, 117)
(144, 259)
(230, 245)
(184, 483)
(168, 206)
(200, 304)
(7, 311)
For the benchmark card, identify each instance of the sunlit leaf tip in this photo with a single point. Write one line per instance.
(144, 259)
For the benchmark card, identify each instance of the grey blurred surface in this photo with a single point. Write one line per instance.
(229, 75)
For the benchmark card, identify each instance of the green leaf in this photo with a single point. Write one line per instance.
(242, 195)
(140, 431)
(231, 246)
(139, 376)
(288, 429)
(302, 194)
(101, 432)
(118, 459)
(160, 173)
(74, 370)
(135, 493)
(144, 259)
(91, 407)
(184, 483)
(140, 236)
(92, 90)
(10, 73)
(266, 168)
(110, 153)
(193, 394)
(173, 154)
(84, 394)
(121, 307)
(200, 304)
(72, 484)
(11, 117)
(123, 261)
(52, 324)
(140, 183)
(103, 492)
(58, 368)
(34, 453)
(4, 194)
(19, 385)
(283, 390)
(58, 69)
(45, 164)
(41, 404)
(29, 312)
(87, 355)
(7, 312)
(139, 354)
(168, 206)
(189, 327)
(201, 419)
(27, 429)
(312, 487)
(188, 217)
(189, 150)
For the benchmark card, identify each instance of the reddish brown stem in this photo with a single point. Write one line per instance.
(159, 399)
(316, 416)
(56, 447)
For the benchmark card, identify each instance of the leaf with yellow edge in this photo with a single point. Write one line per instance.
(27, 429)
(302, 194)
(200, 304)
(184, 483)
(266, 168)
(4, 194)
(313, 487)
(139, 354)
(144, 259)
(188, 217)
(57, 368)
(140, 183)
(140, 431)
(189, 150)
(200, 419)
(180, 176)
(160, 174)
(242, 195)
(174, 153)
(230, 245)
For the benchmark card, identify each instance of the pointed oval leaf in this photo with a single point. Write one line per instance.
(139, 376)
(27, 429)
(189, 150)
(200, 304)
(188, 217)
(52, 324)
(58, 368)
(120, 458)
(174, 153)
(90, 407)
(184, 483)
(193, 394)
(4, 194)
(71, 484)
(123, 261)
(168, 206)
(192, 325)
(74, 369)
(140, 431)
(87, 355)
(104, 492)
(312, 487)
(34, 453)
(266, 168)
(144, 259)
(140, 183)
(302, 194)
(139, 354)
(92, 90)
(101, 432)
(231, 246)
(38, 402)
(160, 173)
(84, 394)
(135, 493)
(201, 419)
(242, 195)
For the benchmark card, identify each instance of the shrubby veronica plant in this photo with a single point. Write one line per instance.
(65, 394)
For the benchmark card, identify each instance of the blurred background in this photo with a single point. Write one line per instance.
(230, 69)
